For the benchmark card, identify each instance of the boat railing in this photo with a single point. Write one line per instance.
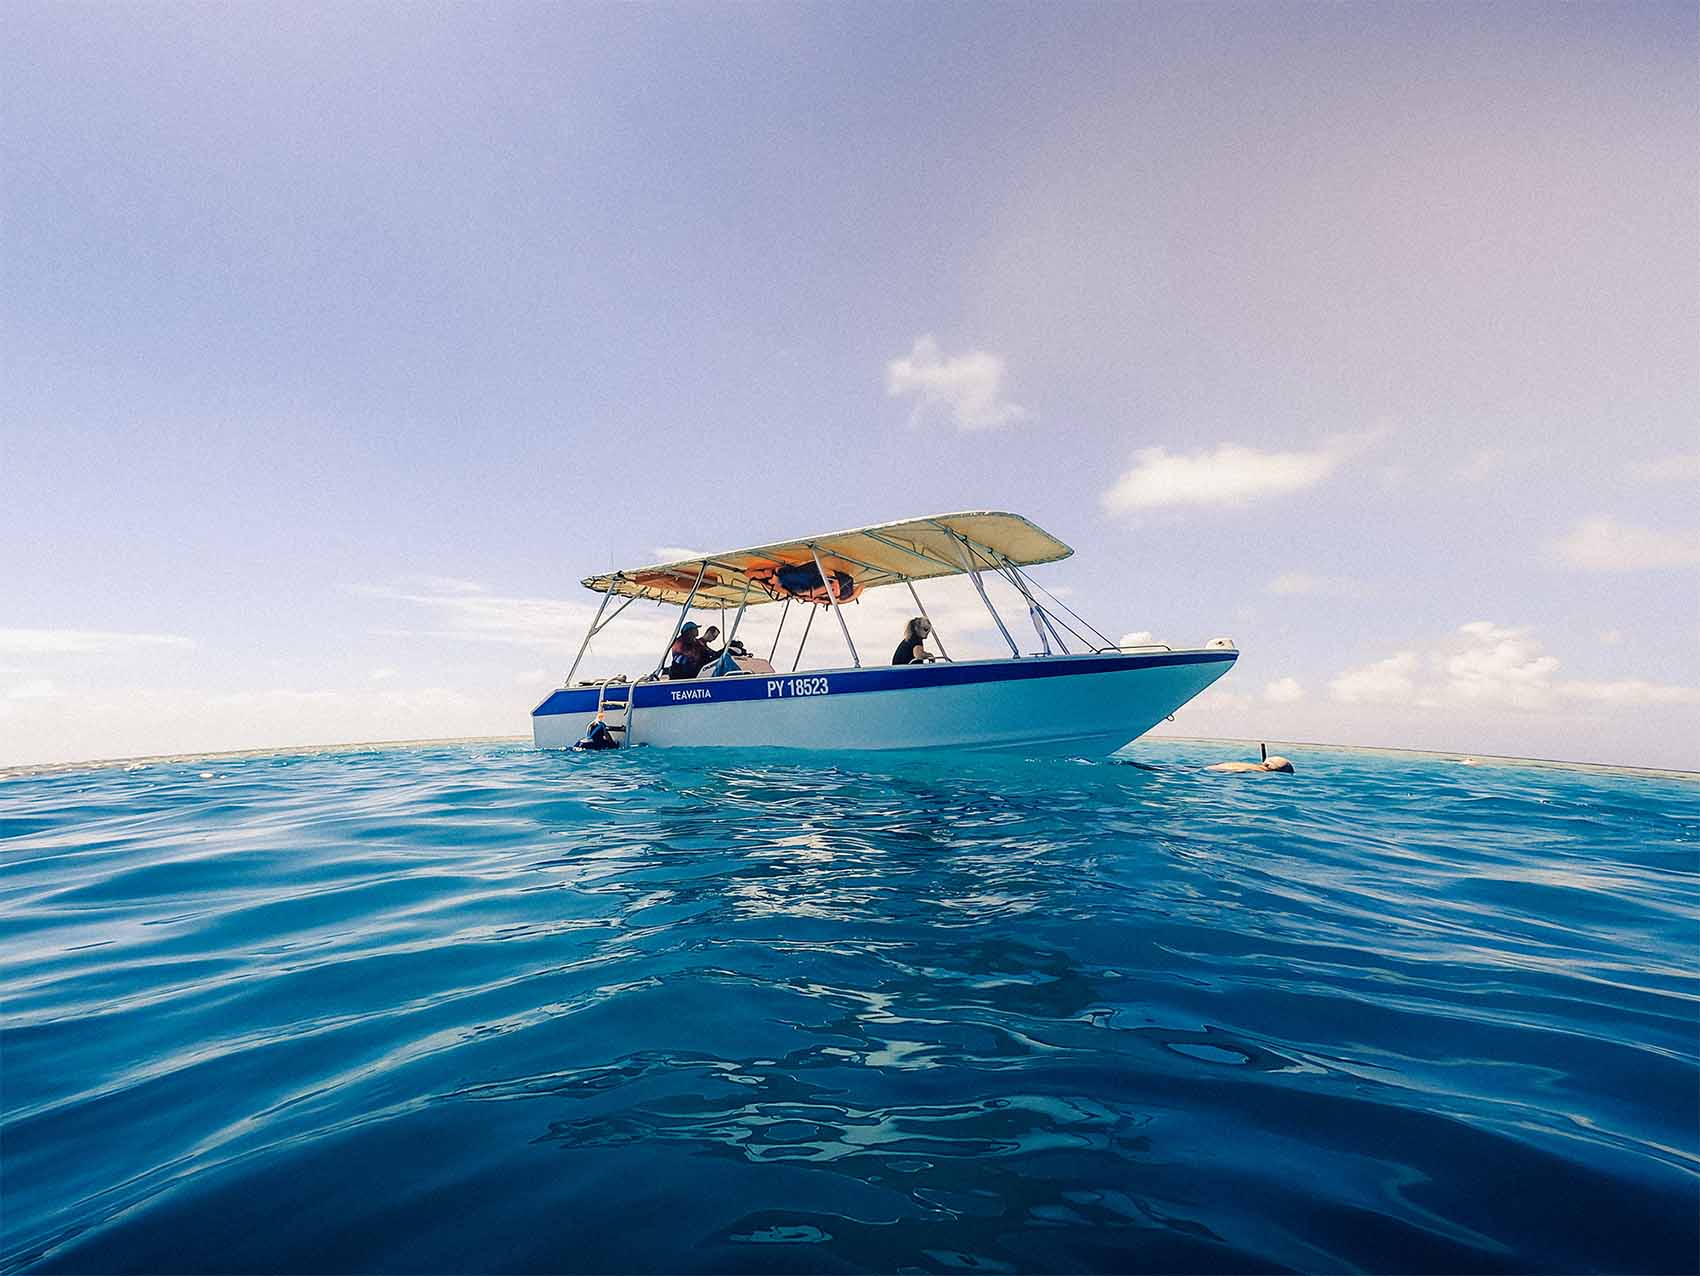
(620, 679)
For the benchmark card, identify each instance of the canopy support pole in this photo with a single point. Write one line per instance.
(927, 618)
(738, 618)
(591, 632)
(833, 599)
(1035, 612)
(1049, 624)
(974, 575)
(783, 613)
(807, 625)
(683, 612)
(1032, 612)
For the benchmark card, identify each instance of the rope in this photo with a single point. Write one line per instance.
(1071, 611)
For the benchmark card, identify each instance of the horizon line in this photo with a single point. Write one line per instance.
(28, 769)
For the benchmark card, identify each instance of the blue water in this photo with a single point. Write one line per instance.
(476, 1008)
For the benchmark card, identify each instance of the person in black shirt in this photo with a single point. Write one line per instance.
(911, 651)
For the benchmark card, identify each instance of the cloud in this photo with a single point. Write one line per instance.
(1602, 544)
(1484, 664)
(80, 642)
(1388, 681)
(970, 385)
(1138, 638)
(467, 612)
(1680, 467)
(451, 585)
(1216, 697)
(1309, 584)
(676, 553)
(83, 724)
(1229, 475)
(1284, 691)
(1499, 665)
(1630, 692)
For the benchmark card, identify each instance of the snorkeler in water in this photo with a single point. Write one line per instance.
(1276, 763)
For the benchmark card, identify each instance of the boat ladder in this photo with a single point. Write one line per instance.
(625, 705)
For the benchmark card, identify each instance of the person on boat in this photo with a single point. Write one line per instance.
(711, 653)
(911, 650)
(689, 652)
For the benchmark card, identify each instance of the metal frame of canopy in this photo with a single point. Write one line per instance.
(1014, 542)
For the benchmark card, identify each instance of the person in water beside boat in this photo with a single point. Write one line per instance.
(911, 650)
(689, 653)
(1276, 763)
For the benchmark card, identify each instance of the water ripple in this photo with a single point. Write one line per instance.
(473, 1008)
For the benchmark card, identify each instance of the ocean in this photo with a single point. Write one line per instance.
(471, 1007)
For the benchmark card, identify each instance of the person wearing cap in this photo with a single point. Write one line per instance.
(689, 653)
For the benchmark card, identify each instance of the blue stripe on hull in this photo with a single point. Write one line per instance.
(670, 694)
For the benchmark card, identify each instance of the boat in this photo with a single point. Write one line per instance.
(1087, 699)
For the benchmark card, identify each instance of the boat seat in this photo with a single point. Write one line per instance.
(741, 664)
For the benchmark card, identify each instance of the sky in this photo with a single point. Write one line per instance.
(340, 342)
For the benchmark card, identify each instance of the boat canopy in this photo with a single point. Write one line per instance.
(884, 554)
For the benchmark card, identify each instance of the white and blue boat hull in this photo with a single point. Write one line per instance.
(1081, 706)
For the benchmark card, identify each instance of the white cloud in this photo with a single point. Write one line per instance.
(1680, 467)
(79, 642)
(1229, 475)
(970, 385)
(1631, 692)
(674, 553)
(143, 721)
(1388, 681)
(1602, 544)
(1309, 584)
(381, 675)
(1138, 638)
(451, 585)
(466, 612)
(1284, 691)
(1214, 698)
(1497, 664)
(1487, 665)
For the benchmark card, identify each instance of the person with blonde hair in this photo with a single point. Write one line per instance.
(911, 650)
